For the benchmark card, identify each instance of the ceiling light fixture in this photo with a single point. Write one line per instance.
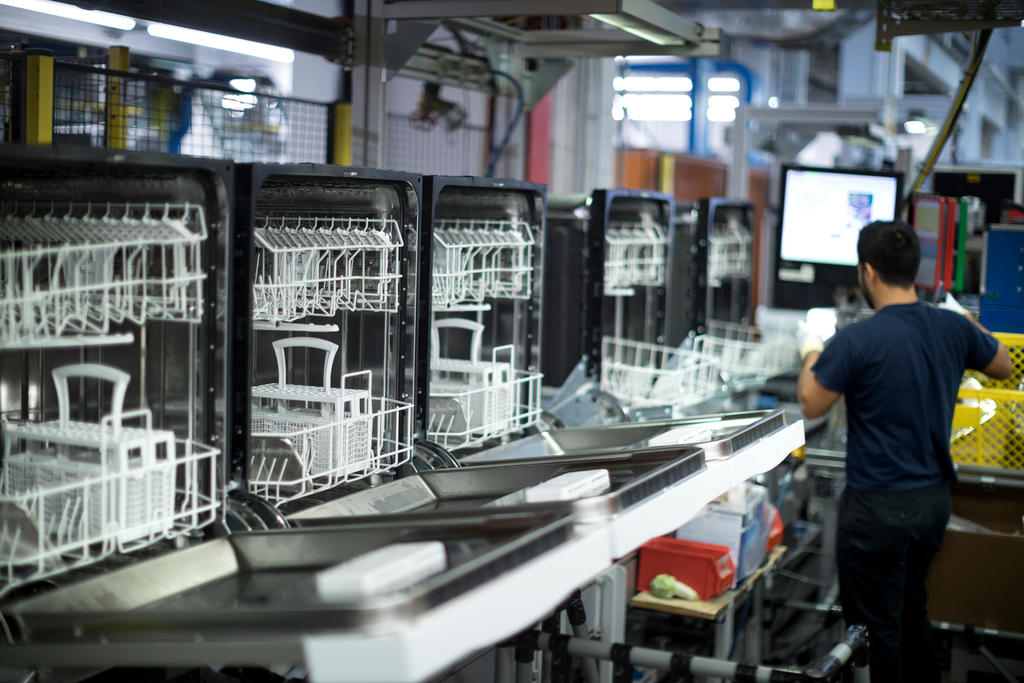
(219, 42)
(66, 11)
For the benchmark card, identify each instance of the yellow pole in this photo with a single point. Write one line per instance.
(38, 98)
(117, 124)
(341, 147)
(667, 174)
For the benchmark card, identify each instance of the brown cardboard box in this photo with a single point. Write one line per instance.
(977, 579)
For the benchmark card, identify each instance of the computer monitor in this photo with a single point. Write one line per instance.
(822, 213)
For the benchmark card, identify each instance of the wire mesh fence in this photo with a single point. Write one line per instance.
(8, 66)
(436, 151)
(140, 112)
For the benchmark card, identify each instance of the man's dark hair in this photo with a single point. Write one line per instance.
(892, 249)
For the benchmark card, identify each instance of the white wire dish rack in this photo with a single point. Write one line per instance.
(644, 375)
(476, 259)
(747, 354)
(728, 252)
(71, 269)
(316, 265)
(308, 438)
(474, 400)
(635, 255)
(72, 492)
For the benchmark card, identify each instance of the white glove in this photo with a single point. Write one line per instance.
(808, 340)
(951, 304)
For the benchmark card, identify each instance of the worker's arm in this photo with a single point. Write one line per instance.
(815, 399)
(1001, 366)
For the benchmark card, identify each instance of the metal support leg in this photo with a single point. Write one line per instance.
(504, 665)
(752, 632)
(724, 628)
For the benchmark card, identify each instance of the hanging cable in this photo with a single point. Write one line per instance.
(980, 44)
(496, 150)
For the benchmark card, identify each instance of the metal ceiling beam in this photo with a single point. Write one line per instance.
(642, 18)
(588, 43)
(262, 22)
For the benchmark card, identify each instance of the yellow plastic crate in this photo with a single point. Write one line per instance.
(1015, 345)
(988, 428)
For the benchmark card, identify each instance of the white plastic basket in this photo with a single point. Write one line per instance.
(475, 259)
(643, 375)
(73, 492)
(73, 268)
(474, 400)
(747, 354)
(307, 438)
(314, 265)
(635, 256)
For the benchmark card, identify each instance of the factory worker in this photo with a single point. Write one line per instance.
(899, 372)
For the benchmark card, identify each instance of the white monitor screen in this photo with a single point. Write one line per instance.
(823, 212)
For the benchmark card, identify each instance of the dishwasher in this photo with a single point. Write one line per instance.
(115, 357)
(748, 354)
(332, 372)
(607, 289)
(486, 240)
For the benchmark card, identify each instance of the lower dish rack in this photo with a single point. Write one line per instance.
(644, 375)
(747, 354)
(76, 492)
(308, 438)
(475, 400)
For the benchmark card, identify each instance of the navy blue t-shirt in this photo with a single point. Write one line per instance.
(899, 371)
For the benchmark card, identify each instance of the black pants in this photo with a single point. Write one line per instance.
(885, 545)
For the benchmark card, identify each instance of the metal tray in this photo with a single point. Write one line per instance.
(259, 586)
(719, 435)
(635, 477)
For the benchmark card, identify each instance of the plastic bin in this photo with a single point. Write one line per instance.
(706, 568)
(774, 530)
(743, 529)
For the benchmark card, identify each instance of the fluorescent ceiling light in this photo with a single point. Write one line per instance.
(653, 84)
(915, 127)
(243, 84)
(723, 84)
(238, 102)
(629, 25)
(219, 42)
(721, 114)
(62, 9)
(642, 107)
(723, 102)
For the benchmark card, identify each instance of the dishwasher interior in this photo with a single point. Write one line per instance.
(332, 367)
(486, 241)
(115, 354)
(711, 303)
(615, 303)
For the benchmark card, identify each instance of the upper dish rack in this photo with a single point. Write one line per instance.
(728, 253)
(70, 269)
(476, 259)
(635, 254)
(315, 265)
